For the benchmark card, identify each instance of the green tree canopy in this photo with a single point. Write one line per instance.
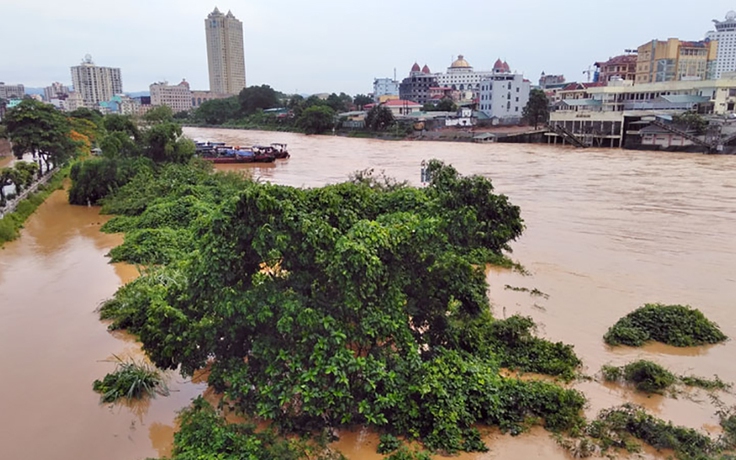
(40, 129)
(379, 118)
(692, 120)
(445, 105)
(121, 123)
(218, 111)
(159, 114)
(537, 109)
(88, 114)
(362, 100)
(254, 98)
(317, 119)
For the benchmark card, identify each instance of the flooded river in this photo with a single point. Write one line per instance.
(606, 232)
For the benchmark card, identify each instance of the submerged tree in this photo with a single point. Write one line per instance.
(351, 303)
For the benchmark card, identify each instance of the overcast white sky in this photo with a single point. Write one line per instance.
(334, 45)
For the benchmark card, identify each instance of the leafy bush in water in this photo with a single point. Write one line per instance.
(678, 325)
(618, 427)
(388, 443)
(517, 348)
(644, 375)
(406, 454)
(205, 434)
(131, 380)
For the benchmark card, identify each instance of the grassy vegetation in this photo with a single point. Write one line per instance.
(11, 224)
(130, 380)
(677, 325)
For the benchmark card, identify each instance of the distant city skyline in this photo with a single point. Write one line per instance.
(336, 46)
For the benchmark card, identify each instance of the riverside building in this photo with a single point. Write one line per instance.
(177, 97)
(503, 94)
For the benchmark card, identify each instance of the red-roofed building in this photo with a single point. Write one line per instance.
(400, 107)
(617, 68)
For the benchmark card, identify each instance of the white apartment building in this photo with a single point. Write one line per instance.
(96, 84)
(385, 87)
(460, 76)
(503, 94)
(177, 97)
(225, 53)
(8, 92)
(725, 34)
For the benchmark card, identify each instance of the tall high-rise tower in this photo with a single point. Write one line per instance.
(225, 53)
(96, 84)
(725, 34)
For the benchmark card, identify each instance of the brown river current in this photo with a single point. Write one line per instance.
(607, 230)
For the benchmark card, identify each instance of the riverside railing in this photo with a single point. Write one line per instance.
(11, 205)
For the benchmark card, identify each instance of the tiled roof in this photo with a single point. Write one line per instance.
(401, 103)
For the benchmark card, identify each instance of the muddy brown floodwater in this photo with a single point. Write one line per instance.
(607, 230)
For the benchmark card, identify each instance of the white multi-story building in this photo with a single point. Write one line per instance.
(96, 84)
(503, 94)
(725, 34)
(225, 52)
(8, 92)
(460, 76)
(177, 97)
(385, 87)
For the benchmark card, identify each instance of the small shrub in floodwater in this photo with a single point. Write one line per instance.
(388, 443)
(677, 325)
(131, 380)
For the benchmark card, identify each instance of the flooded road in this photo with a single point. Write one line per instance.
(606, 232)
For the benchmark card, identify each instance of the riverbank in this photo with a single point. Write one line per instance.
(12, 222)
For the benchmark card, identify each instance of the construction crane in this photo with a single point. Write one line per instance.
(588, 72)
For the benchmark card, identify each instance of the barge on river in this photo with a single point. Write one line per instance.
(219, 153)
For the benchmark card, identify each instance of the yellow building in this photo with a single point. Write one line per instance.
(675, 60)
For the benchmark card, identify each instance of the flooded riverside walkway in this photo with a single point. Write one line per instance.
(607, 230)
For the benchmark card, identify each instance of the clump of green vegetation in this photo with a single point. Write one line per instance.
(645, 375)
(707, 384)
(130, 380)
(405, 454)
(388, 443)
(677, 325)
(622, 426)
(204, 433)
(518, 349)
(650, 377)
(533, 292)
